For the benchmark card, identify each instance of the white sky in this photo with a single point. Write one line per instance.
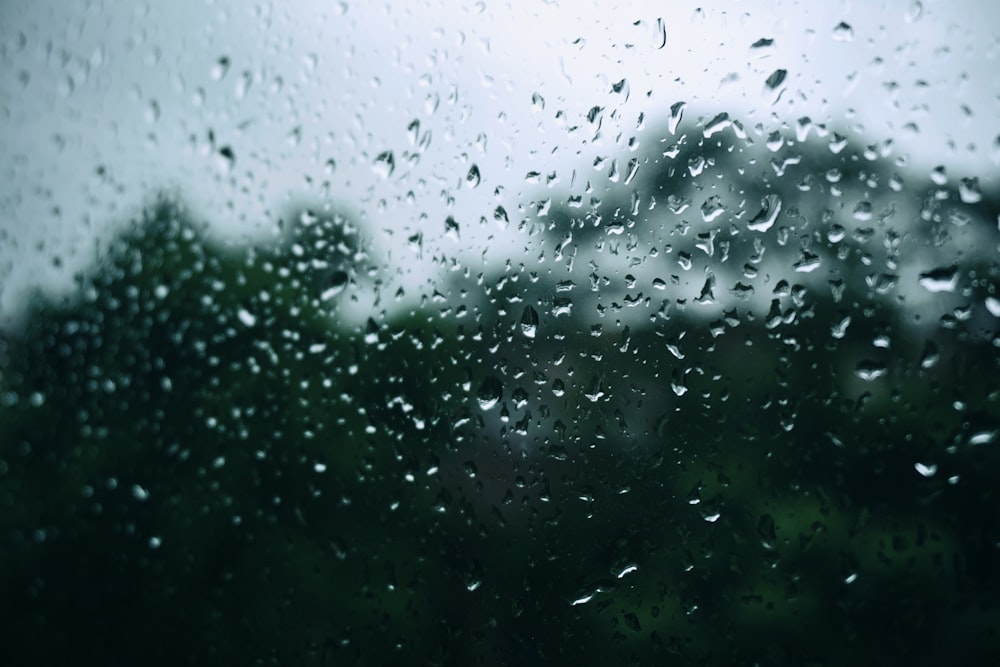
(137, 89)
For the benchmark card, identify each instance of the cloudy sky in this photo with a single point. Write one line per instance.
(242, 108)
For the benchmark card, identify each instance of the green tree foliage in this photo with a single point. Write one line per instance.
(666, 435)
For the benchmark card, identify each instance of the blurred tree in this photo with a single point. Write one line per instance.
(711, 420)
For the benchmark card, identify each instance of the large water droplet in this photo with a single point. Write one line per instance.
(676, 114)
(384, 164)
(766, 531)
(770, 208)
(473, 178)
(944, 279)
(843, 32)
(870, 370)
(968, 190)
(712, 208)
(336, 284)
(490, 392)
(529, 322)
(717, 124)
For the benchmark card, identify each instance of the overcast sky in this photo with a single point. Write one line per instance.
(242, 107)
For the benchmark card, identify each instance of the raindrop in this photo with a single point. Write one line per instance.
(766, 531)
(500, 216)
(717, 124)
(968, 190)
(838, 142)
(939, 175)
(930, 356)
(384, 164)
(246, 317)
(712, 208)
(633, 167)
(152, 112)
(336, 284)
(943, 279)
(775, 141)
(529, 322)
(770, 208)
(473, 178)
(776, 79)
(220, 68)
(225, 159)
(676, 114)
(982, 438)
(490, 392)
(843, 32)
(807, 263)
(562, 305)
(863, 211)
(870, 370)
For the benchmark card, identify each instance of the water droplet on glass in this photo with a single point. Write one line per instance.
(838, 143)
(766, 531)
(843, 32)
(529, 322)
(676, 115)
(225, 159)
(717, 124)
(930, 356)
(633, 167)
(943, 279)
(562, 305)
(384, 164)
(939, 175)
(914, 12)
(870, 370)
(774, 86)
(628, 569)
(500, 216)
(490, 392)
(776, 78)
(246, 317)
(152, 112)
(473, 178)
(220, 68)
(807, 263)
(968, 190)
(335, 285)
(770, 208)
(982, 438)
(558, 387)
(863, 211)
(712, 208)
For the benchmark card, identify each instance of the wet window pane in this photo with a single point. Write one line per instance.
(466, 333)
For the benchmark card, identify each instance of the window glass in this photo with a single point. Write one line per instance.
(484, 333)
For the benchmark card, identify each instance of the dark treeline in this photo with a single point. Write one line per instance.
(741, 410)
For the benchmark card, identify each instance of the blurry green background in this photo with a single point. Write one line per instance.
(563, 458)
